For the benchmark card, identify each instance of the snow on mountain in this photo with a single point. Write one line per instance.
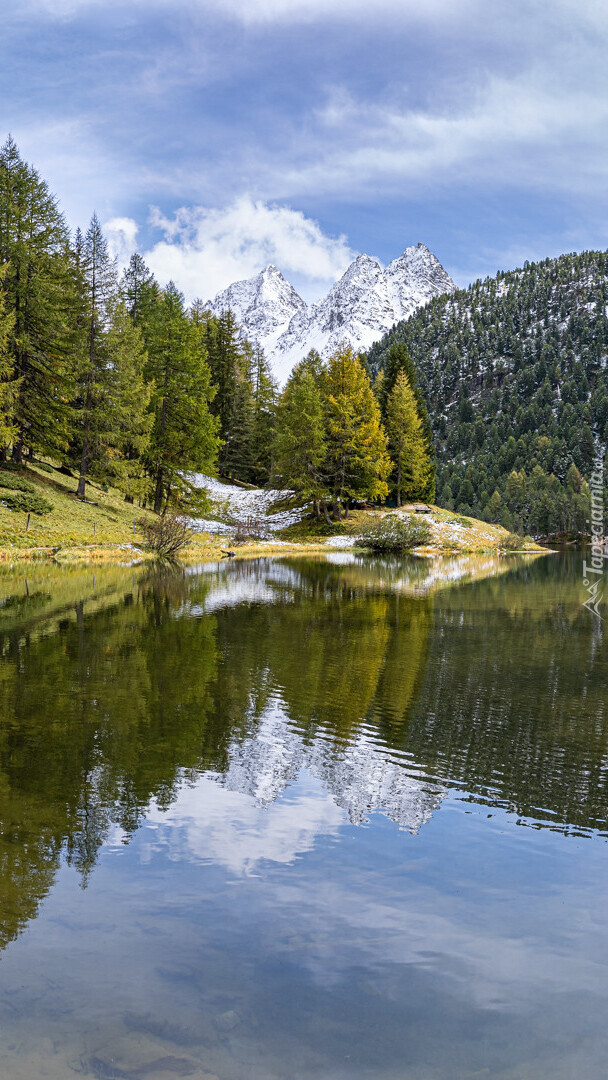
(263, 306)
(367, 300)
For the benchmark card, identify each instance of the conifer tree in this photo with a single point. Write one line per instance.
(407, 444)
(357, 463)
(139, 291)
(229, 368)
(39, 287)
(299, 446)
(127, 407)
(184, 434)
(398, 360)
(264, 393)
(99, 292)
(9, 386)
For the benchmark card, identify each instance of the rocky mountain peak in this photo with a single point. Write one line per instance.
(358, 309)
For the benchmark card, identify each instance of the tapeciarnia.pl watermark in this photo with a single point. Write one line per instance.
(593, 572)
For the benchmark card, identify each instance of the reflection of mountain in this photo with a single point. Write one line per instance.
(254, 673)
(363, 775)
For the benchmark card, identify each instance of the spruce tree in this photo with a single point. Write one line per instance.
(264, 392)
(299, 445)
(139, 291)
(399, 360)
(184, 434)
(229, 368)
(407, 444)
(126, 407)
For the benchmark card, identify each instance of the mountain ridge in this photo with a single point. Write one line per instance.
(359, 308)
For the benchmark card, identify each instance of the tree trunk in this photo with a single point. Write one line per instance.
(17, 454)
(326, 513)
(398, 483)
(158, 492)
(82, 479)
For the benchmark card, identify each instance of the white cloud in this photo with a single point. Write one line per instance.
(252, 11)
(121, 234)
(204, 249)
(537, 129)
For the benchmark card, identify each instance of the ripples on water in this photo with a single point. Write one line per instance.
(265, 820)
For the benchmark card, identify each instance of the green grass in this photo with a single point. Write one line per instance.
(104, 519)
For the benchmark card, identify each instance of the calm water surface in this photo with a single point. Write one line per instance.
(304, 820)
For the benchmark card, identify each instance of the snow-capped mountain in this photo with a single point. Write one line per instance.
(367, 300)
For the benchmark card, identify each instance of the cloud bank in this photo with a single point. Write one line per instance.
(205, 249)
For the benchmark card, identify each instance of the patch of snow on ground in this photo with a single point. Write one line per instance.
(241, 504)
(341, 541)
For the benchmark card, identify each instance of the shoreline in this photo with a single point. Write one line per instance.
(128, 554)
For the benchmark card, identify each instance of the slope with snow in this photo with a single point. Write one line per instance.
(366, 302)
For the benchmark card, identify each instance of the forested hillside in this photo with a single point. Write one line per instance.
(514, 373)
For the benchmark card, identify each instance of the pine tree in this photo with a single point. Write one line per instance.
(407, 444)
(184, 434)
(39, 287)
(357, 463)
(299, 445)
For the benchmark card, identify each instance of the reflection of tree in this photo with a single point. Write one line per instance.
(94, 722)
(513, 707)
(498, 689)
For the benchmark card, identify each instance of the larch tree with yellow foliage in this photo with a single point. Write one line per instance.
(357, 463)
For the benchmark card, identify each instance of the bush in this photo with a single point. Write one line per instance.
(25, 502)
(512, 542)
(166, 535)
(14, 483)
(395, 532)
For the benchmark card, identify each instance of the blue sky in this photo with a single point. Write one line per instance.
(219, 135)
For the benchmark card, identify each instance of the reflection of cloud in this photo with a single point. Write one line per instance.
(279, 792)
(209, 822)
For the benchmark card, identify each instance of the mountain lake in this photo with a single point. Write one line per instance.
(334, 818)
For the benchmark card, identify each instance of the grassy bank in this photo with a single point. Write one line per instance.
(104, 529)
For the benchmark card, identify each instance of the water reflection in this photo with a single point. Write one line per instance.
(201, 749)
(116, 687)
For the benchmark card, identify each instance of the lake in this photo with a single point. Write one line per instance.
(304, 819)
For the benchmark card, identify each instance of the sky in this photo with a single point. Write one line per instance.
(217, 136)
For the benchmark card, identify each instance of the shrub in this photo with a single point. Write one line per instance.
(14, 483)
(166, 535)
(395, 532)
(512, 542)
(25, 502)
